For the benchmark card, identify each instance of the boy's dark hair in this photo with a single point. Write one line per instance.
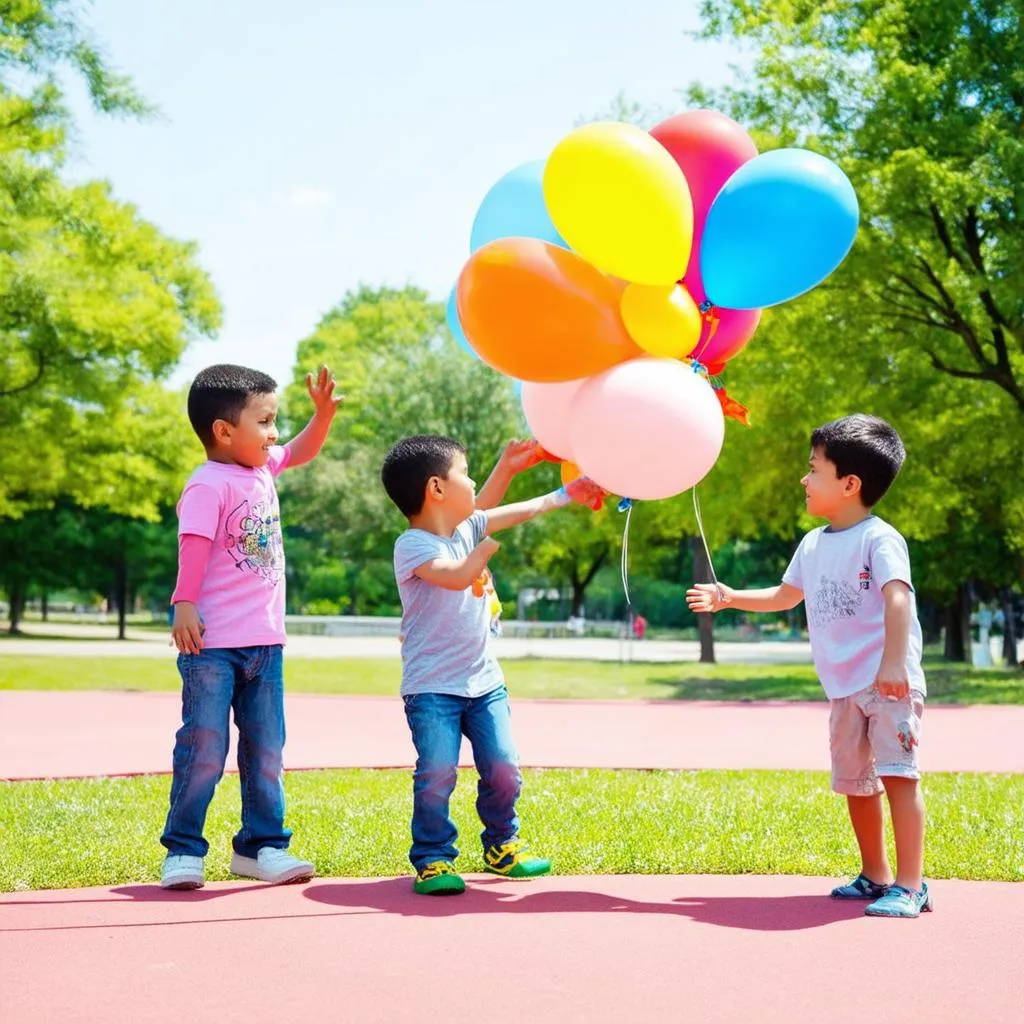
(221, 392)
(411, 463)
(866, 447)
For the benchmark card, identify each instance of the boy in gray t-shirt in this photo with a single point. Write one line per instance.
(854, 579)
(451, 683)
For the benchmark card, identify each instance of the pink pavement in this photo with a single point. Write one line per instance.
(71, 734)
(621, 949)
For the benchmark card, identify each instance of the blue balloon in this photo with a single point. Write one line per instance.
(781, 224)
(452, 316)
(514, 208)
(517, 387)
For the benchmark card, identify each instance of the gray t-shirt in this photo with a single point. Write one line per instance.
(447, 633)
(841, 573)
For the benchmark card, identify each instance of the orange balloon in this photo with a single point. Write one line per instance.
(537, 312)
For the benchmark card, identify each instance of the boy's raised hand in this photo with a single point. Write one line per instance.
(707, 597)
(321, 391)
(519, 456)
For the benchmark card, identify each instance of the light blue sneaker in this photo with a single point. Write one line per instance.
(861, 888)
(901, 902)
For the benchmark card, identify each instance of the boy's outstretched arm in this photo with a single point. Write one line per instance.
(452, 574)
(581, 491)
(306, 445)
(705, 597)
(517, 457)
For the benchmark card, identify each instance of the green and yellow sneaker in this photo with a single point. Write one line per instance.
(438, 878)
(512, 860)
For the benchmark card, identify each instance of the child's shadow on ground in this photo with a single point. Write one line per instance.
(768, 913)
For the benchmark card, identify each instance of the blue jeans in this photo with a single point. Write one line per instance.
(250, 681)
(438, 722)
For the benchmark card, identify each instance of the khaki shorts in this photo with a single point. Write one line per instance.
(870, 737)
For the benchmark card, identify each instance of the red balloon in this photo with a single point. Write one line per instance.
(537, 312)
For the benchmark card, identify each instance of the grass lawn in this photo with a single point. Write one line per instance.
(356, 822)
(530, 677)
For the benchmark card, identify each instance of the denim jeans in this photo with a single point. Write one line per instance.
(250, 681)
(438, 722)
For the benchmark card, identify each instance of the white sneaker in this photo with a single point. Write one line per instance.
(182, 872)
(273, 866)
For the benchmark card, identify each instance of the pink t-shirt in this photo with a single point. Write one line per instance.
(241, 601)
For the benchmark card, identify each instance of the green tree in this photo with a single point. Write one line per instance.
(96, 305)
(922, 105)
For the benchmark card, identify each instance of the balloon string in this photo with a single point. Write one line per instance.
(625, 560)
(708, 316)
(704, 541)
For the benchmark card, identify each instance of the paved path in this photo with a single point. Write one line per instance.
(96, 642)
(600, 950)
(57, 734)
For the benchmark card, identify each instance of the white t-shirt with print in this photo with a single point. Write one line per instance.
(841, 573)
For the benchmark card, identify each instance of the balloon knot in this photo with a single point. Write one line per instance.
(625, 504)
(698, 367)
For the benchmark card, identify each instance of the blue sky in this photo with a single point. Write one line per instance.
(313, 147)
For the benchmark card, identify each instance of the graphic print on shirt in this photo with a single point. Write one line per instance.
(483, 586)
(253, 536)
(833, 599)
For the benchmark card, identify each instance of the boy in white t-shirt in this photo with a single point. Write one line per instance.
(854, 577)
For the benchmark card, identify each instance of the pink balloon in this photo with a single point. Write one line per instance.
(546, 407)
(647, 428)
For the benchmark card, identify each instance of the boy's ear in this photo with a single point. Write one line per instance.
(851, 485)
(435, 488)
(221, 430)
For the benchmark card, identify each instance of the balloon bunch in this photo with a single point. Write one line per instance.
(619, 276)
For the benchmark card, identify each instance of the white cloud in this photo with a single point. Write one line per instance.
(310, 197)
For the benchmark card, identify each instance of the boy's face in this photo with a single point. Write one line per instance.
(827, 493)
(248, 442)
(459, 489)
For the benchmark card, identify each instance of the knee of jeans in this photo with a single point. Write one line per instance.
(502, 775)
(435, 776)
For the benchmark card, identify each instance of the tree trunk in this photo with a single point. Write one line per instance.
(45, 604)
(931, 622)
(579, 586)
(705, 623)
(121, 595)
(1010, 637)
(16, 594)
(958, 626)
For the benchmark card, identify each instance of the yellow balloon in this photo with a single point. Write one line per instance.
(619, 199)
(663, 321)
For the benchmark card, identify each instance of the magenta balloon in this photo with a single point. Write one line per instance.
(734, 329)
(647, 428)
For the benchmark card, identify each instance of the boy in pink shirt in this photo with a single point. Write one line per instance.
(229, 621)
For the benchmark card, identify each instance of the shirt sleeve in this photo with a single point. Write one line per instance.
(794, 574)
(412, 550)
(199, 511)
(278, 459)
(477, 524)
(193, 558)
(890, 560)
